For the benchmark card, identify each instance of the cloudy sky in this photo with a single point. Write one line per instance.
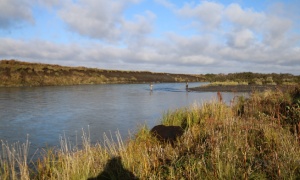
(175, 36)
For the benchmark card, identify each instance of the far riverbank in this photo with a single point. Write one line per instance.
(238, 88)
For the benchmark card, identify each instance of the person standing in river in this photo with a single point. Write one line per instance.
(187, 85)
(151, 86)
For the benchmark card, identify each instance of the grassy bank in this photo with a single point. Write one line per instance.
(254, 138)
(250, 78)
(16, 73)
(227, 83)
(240, 88)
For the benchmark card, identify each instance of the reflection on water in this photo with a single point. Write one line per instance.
(46, 113)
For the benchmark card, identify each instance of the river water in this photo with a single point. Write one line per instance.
(44, 114)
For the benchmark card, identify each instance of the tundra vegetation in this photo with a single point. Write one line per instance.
(15, 73)
(249, 78)
(252, 138)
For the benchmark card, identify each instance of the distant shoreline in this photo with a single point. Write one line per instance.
(15, 73)
(238, 88)
(23, 74)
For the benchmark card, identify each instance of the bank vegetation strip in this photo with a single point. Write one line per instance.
(239, 88)
(16, 73)
(252, 138)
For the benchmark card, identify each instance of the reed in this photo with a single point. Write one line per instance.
(251, 139)
(13, 160)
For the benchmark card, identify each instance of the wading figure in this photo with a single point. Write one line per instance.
(151, 86)
(167, 133)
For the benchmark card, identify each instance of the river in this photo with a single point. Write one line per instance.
(44, 114)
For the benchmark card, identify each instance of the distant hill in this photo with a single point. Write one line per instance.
(16, 73)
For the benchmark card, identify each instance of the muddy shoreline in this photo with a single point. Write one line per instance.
(238, 88)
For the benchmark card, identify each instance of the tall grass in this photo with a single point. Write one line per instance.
(256, 138)
(13, 160)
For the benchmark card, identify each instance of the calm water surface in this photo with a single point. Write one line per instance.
(44, 114)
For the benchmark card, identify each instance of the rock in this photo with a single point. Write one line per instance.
(167, 133)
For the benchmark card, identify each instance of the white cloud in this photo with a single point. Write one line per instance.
(240, 38)
(102, 19)
(36, 49)
(13, 13)
(226, 39)
(141, 26)
(189, 45)
(250, 36)
(166, 4)
(197, 60)
(272, 28)
(244, 18)
(164, 56)
(50, 3)
(93, 18)
(208, 13)
(276, 31)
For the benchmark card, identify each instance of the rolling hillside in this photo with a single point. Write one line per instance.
(16, 73)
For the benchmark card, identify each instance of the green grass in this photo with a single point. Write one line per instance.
(253, 138)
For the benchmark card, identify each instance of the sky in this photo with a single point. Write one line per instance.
(174, 36)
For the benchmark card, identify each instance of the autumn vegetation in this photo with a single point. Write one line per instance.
(255, 137)
(16, 74)
(250, 78)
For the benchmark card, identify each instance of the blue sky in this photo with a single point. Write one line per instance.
(194, 37)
